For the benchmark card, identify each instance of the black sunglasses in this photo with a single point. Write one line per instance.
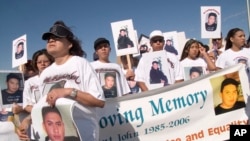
(157, 40)
(216, 39)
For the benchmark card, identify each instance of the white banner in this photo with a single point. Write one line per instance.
(180, 112)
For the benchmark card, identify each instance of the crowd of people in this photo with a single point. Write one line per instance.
(90, 83)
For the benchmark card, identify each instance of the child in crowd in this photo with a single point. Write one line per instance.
(194, 54)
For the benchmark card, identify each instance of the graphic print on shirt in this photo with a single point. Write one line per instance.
(110, 82)
(193, 72)
(244, 60)
(156, 74)
(50, 86)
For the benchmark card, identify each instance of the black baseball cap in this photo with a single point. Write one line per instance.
(58, 31)
(100, 41)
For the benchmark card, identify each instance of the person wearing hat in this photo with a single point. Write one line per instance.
(103, 65)
(81, 82)
(173, 73)
(211, 23)
(123, 40)
(229, 94)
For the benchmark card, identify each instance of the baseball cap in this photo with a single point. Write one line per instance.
(58, 31)
(100, 41)
(155, 33)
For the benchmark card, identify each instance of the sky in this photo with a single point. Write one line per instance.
(91, 19)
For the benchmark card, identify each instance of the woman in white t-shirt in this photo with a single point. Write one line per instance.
(80, 81)
(235, 51)
(194, 55)
(40, 60)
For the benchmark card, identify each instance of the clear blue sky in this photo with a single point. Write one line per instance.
(91, 19)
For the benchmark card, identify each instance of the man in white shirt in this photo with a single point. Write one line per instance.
(103, 65)
(170, 64)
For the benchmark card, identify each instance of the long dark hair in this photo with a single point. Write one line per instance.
(230, 34)
(187, 48)
(76, 48)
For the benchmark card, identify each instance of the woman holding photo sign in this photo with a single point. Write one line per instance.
(81, 83)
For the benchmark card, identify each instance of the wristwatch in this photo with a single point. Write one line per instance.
(73, 93)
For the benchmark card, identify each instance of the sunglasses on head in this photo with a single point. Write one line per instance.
(157, 40)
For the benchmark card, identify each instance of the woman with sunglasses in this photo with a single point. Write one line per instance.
(81, 82)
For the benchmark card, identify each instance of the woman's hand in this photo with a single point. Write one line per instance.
(16, 108)
(56, 93)
(22, 130)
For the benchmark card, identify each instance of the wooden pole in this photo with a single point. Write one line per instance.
(129, 61)
(21, 68)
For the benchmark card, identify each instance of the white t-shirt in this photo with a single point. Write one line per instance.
(230, 58)
(170, 66)
(7, 131)
(31, 93)
(101, 67)
(76, 73)
(188, 63)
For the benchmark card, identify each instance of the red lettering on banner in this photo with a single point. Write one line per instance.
(195, 136)
(225, 128)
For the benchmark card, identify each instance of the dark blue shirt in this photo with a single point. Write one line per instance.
(8, 98)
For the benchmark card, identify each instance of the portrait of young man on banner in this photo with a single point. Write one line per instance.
(54, 123)
(229, 94)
